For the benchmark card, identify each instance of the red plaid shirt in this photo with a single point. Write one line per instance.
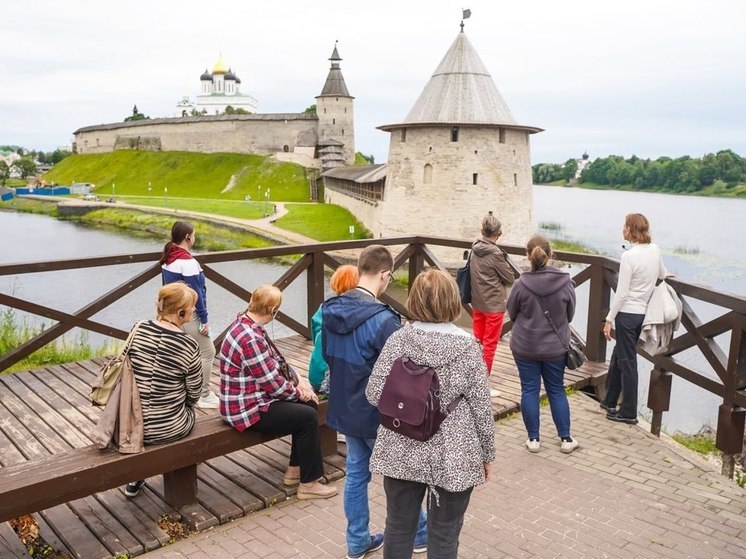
(249, 381)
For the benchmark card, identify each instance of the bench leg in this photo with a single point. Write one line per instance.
(328, 438)
(180, 486)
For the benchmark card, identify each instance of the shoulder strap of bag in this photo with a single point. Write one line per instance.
(128, 341)
(274, 347)
(548, 316)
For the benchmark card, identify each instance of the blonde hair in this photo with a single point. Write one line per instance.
(266, 299)
(639, 228)
(344, 278)
(434, 297)
(175, 298)
(539, 251)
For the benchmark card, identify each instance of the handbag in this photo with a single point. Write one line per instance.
(284, 368)
(574, 356)
(111, 372)
(463, 280)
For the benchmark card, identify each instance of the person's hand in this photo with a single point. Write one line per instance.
(607, 330)
(487, 471)
(307, 394)
(204, 330)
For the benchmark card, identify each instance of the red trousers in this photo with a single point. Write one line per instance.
(488, 327)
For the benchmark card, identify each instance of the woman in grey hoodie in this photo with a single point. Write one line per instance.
(543, 293)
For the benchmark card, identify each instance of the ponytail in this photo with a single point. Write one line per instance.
(539, 251)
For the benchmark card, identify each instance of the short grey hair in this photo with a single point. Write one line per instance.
(491, 225)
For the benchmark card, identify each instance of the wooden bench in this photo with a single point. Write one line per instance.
(39, 484)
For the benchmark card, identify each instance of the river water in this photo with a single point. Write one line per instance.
(699, 238)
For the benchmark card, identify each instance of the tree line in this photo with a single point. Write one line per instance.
(26, 165)
(683, 174)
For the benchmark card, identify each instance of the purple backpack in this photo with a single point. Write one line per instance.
(410, 401)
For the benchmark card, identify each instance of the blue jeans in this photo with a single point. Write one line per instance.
(356, 506)
(531, 373)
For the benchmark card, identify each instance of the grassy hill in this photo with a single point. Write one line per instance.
(184, 174)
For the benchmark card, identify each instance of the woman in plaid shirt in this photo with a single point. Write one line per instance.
(254, 395)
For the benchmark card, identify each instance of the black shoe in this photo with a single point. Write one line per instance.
(613, 415)
(606, 407)
(132, 489)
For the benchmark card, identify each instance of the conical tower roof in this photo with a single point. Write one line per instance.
(335, 83)
(461, 91)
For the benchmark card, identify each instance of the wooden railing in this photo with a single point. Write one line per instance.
(721, 342)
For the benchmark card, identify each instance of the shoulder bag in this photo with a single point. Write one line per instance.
(111, 372)
(463, 279)
(286, 371)
(574, 357)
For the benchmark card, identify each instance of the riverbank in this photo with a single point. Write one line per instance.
(717, 190)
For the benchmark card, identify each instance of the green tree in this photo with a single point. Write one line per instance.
(26, 166)
(4, 172)
(569, 169)
(58, 155)
(229, 110)
(136, 115)
(311, 110)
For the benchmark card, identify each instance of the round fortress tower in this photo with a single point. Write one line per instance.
(458, 154)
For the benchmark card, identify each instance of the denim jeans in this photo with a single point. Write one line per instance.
(356, 506)
(622, 375)
(444, 521)
(531, 373)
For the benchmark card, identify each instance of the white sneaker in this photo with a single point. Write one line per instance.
(209, 402)
(568, 446)
(533, 445)
(494, 393)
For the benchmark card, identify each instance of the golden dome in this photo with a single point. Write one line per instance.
(220, 66)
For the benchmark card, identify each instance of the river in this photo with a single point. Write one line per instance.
(698, 237)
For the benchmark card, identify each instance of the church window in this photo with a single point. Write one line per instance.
(501, 134)
(403, 134)
(427, 175)
(515, 179)
(474, 178)
(454, 134)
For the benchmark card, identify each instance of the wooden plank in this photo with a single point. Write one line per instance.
(264, 471)
(47, 533)
(20, 436)
(263, 492)
(106, 528)
(76, 536)
(48, 415)
(196, 516)
(10, 545)
(50, 378)
(228, 488)
(129, 515)
(151, 512)
(9, 452)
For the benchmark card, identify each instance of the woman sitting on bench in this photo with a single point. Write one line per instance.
(255, 395)
(168, 370)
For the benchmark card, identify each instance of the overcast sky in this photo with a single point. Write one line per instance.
(644, 77)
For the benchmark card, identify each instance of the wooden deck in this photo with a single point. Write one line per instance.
(47, 411)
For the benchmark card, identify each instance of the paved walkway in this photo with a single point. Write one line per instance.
(624, 493)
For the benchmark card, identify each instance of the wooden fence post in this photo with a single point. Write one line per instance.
(659, 397)
(314, 285)
(598, 305)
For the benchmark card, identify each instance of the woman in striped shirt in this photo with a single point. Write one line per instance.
(167, 368)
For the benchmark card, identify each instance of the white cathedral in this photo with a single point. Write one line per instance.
(220, 89)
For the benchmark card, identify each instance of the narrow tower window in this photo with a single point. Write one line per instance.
(515, 179)
(334, 121)
(474, 178)
(454, 134)
(501, 133)
(403, 134)
(427, 175)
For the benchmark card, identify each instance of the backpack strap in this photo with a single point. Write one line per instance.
(454, 404)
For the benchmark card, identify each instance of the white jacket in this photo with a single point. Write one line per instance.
(662, 319)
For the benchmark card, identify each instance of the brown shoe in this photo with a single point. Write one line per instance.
(315, 490)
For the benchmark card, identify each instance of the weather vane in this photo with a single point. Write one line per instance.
(465, 14)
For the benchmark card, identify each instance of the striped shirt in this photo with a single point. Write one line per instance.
(168, 373)
(249, 380)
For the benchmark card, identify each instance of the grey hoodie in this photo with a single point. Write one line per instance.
(532, 336)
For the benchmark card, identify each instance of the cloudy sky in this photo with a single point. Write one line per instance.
(644, 77)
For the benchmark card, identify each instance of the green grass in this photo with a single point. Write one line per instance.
(701, 444)
(27, 205)
(323, 222)
(569, 246)
(184, 175)
(229, 208)
(15, 331)
(210, 237)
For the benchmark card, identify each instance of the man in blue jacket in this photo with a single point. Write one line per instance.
(355, 326)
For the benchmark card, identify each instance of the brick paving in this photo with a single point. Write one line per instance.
(624, 493)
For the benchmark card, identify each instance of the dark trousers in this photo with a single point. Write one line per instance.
(622, 375)
(300, 420)
(444, 520)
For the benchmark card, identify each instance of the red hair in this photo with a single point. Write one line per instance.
(345, 278)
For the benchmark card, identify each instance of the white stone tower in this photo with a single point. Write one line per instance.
(336, 124)
(458, 154)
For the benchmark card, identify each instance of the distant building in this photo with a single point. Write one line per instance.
(218, 90)
(583, 162)
(458, 154)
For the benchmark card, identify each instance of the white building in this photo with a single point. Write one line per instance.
(219, 89)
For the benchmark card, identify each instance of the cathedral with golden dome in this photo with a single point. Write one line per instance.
(219, 90)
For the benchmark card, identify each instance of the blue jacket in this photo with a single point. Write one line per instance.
(190, 272)
(317, 367)
(355, 327)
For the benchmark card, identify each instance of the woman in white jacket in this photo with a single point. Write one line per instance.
(640, 268)
(459, 456)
